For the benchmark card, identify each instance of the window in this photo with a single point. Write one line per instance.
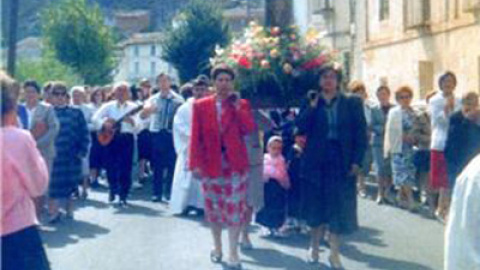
(137, 68)
(153, 50)
(153, 68)
(136, 50)
(384, 9)
(319, 6)
(426, 77)
(471, 5)
(417, 13)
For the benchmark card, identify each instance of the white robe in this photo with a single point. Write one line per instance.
(462, 243)
(186, 191)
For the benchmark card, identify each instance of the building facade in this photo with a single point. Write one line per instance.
(140, 57)
(413, 41)
(335, 20)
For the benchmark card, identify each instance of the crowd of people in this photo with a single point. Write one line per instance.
(205, 149)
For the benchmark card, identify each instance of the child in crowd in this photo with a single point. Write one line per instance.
(295, 193)
(277, 182)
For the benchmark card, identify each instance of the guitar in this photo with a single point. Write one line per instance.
(105, 135)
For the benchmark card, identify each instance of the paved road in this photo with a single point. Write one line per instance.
(144, 236)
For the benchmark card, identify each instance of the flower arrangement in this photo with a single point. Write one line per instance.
(274, 63)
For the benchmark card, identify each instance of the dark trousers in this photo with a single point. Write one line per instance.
(273, 214)
(163, 158)
(119, 165)
(23, 250)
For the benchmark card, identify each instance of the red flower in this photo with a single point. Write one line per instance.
(245, 62)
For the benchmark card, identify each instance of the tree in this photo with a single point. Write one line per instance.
(12, 37)
(46, 69)
(76, 32)
(190, 42)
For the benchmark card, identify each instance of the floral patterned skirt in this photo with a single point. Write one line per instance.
(226, 200)
(403, 168)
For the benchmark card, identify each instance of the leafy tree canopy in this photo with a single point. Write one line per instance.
(76, 32)
(190, 42)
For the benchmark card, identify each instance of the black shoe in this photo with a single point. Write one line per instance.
(156, 199)
(111, 197)
(123, 203)
(95, 184)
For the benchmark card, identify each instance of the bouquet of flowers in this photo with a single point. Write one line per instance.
(275, 64)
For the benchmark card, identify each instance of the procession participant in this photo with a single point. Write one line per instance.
(463, 141)
(186, 191)
(144, 138)
(71, 146)
(359, 88)
(276, 184)
(43, 125)
(79, 99)
(442, 105)
(336, 132)
(399, 142)
(383, 169)
(24, 177)
(462, 248)
(161, 107)
(255, 196)
(97, 151)
(119, 152)
(218, 155)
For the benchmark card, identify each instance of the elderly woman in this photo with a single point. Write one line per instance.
(399, 142)
(336, 141)
(71, 145)
(219, 156)
(24, 177)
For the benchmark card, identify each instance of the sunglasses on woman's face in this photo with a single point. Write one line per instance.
(404, 97)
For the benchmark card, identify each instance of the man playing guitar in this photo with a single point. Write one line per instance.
(120, 150)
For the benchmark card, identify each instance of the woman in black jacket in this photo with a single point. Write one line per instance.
(335, 126)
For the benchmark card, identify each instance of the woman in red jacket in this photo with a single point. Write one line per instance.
(218, 156)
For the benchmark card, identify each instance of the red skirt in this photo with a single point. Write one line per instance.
(438, 174)
(226, 200)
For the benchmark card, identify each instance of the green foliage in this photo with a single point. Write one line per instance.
(76, 32)
(190, 43)
(46, 69)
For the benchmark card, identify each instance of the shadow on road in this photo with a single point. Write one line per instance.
(270, 258)
(70, 232)
(136, 209)
(377, 262)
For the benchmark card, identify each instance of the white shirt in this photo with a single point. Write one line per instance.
(30, 114)
(462, 234)
(440, 121)
(114, 110)
(157, 119)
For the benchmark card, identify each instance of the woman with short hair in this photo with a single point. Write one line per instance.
(218, 156)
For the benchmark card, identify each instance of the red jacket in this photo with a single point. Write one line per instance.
(207, 137)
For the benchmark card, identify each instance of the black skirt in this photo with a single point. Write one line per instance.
(330, 197)
(23, 250)
(273, 213)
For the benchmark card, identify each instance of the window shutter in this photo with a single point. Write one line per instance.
(426, 77)
(471, 5)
